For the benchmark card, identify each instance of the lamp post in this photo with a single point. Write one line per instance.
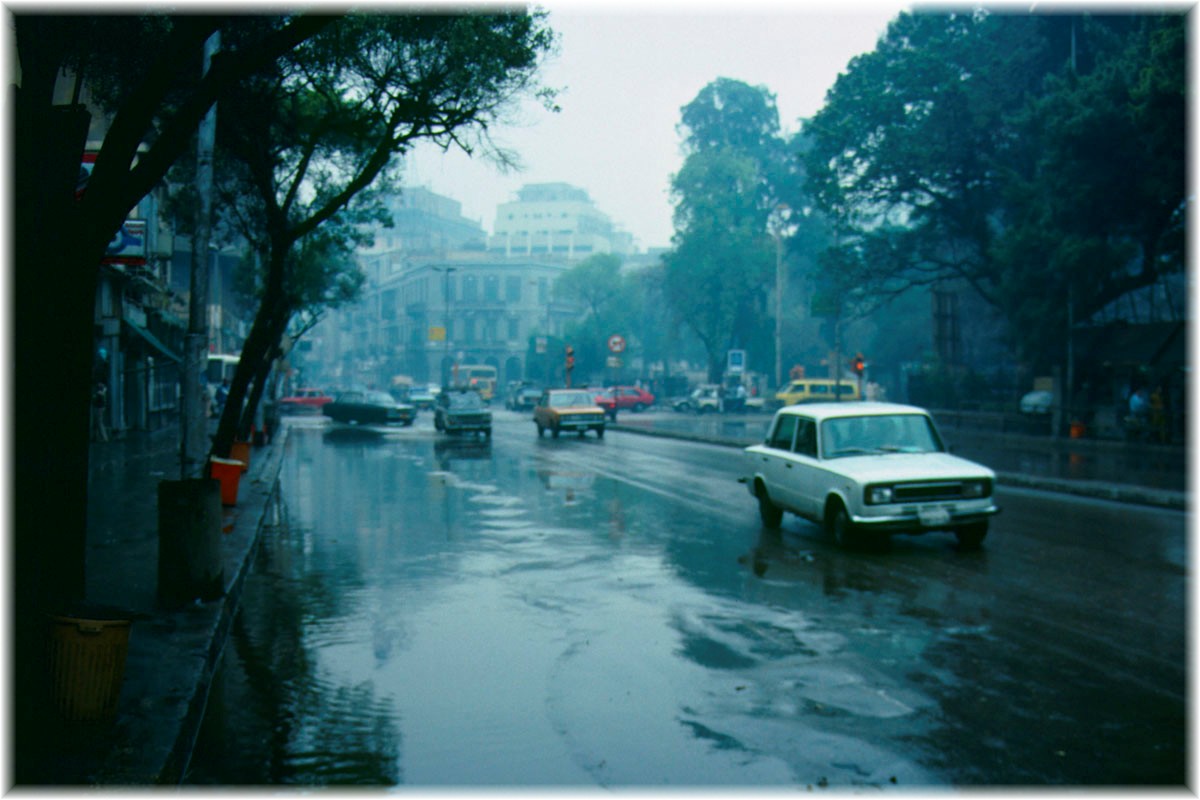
(446, 298)
(776, 225)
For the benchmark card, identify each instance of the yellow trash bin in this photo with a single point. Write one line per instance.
(87, 664)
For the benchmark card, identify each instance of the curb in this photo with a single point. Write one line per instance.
(1121, 493)
(179, 652)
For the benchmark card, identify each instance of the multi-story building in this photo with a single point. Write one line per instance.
(436, 297)
(555, 220)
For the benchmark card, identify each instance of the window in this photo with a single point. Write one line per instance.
(806, 437)
(784, 433)
(514, 329)
(470, 288)
(512, 289)
(491, 289)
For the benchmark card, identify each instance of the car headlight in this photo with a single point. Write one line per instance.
(878, 495)
(976, 489)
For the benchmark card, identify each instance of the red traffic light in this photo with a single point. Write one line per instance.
(859, 365)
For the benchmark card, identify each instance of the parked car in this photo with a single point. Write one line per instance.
(522, 397)
(868, 470)
(461, 411)
(703, 399)
(620, 398)
(817, 390)
(368, 407)
(304, 400)
(1037, 402)
(559, 410)
(422, 395)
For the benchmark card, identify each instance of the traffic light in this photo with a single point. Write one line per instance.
(859, 365)
(570, 363)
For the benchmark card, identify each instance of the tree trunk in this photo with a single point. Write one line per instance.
(54, 293)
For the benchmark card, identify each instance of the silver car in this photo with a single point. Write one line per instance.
(868, 470)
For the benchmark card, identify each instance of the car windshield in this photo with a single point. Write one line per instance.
(466, 400)
(565, 399)
(883, 433)
(380, 398)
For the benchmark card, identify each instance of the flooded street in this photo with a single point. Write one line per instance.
(439, 611)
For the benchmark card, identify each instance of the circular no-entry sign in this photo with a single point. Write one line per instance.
(616, 343)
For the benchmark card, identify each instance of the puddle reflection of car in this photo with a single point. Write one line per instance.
(461, 449)
(368, 407)
(569, 483)
(462, 411)
(868, 470)
(559, 410)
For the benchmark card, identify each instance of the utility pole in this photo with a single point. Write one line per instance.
(194, 444)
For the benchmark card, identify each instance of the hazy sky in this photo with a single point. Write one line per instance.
(626, 71)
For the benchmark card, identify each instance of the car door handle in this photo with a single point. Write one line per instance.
(789, 466)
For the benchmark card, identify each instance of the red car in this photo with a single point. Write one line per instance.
(614, 399)
(311, 400)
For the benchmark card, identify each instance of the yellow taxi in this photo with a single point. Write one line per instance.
(559, 410)
(813, 390)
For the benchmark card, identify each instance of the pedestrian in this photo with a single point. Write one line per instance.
(1138, 421)
(222, 395)
(1158, 417)
(99, 404)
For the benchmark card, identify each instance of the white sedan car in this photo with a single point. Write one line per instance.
(868, 469)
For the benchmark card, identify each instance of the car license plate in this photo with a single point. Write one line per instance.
(933, 516)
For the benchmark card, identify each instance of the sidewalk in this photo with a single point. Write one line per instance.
(172, 654)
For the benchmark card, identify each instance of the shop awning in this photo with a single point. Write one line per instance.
(153, 341)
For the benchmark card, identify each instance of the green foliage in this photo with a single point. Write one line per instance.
(717, 276)
(310, 148)
(969, 148)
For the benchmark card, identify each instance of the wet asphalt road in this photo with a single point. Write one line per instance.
(433, 611)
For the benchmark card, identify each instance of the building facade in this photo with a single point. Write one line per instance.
(440, 292)
(555, 220)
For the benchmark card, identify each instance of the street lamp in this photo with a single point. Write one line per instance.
(776, 224)
(446, 337)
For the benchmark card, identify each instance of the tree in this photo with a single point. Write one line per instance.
(312, 137)
(147, 68)
(965, 150)
(717, 274)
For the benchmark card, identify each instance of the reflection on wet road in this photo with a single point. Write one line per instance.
(518, 611)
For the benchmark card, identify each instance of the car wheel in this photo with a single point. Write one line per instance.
(971, 537)
(599, 433)
(772, 515)
(541, 431)
(554, 432)
(843, 531)
(638, 408)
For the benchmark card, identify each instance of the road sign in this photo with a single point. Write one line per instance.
(735, 363)
(616, 343)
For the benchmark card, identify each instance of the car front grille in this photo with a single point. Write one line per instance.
(921, 492)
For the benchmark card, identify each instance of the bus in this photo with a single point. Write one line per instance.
(220, 368)
(480, 377)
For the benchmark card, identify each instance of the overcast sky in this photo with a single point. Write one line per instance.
(625, 72)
